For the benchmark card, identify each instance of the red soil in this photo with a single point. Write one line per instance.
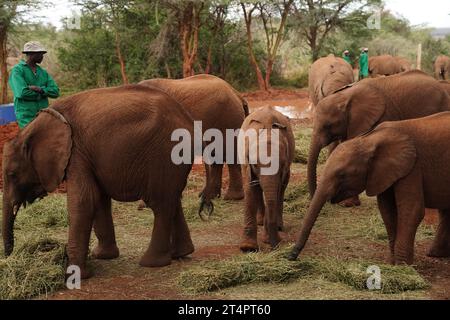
(7, 132)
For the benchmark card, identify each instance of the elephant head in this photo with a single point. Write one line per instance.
(345, 114)
(371, 162)
(327, 75)
(34, 163)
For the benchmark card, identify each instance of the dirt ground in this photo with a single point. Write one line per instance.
(219, 238)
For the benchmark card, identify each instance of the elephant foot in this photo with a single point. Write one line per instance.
(438, 252)
(105, 253)
(141, 205)
(234, 195)
(351, 202)
(154, 260)
(183, 250)
(249, 245)
(85, 273)
(273, 242)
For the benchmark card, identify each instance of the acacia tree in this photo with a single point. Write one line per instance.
(317, 19)
(273, 15)
(188, 17)
(216, 23)
(114, 17)
(10, 13)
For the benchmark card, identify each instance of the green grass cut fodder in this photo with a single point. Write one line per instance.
(275, 268)
(302, 144)
(35, 268)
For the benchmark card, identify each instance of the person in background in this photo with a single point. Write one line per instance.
(346, 57)
(31, 84)
(364, 64)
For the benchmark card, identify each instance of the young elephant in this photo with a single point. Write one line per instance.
(106, 144)
(264, 191)
(327, 75)
(442, 68)
(218, 105)
(359, 108)
(404, 164)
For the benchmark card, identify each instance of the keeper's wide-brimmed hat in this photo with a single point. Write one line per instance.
(33, 46)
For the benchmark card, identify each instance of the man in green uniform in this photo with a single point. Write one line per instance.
(346, 57)
(31, 84)
(364, 64)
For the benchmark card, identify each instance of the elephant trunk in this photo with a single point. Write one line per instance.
(314, 151)
(8, 225)
(318, 201)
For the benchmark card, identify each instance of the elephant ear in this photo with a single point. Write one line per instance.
(394, 156)
(366, 106)
(48, 146)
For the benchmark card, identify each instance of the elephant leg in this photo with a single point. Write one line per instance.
(281, 201)
(388, 210)
(253, 200)
(271, 218)
(82, 196)
(181, 238)
(104, 230)
(410, 212)
(441, 243)
(260, 214)
(235, 190)
(159, 252)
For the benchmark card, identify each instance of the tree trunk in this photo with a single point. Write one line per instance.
(209, 60)
(269, 68)
(121, 60)
(189, 29)
(3, 66)
(169, 74)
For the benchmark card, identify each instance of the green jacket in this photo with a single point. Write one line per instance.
(27, 103)
(347, 58)
(363, 65)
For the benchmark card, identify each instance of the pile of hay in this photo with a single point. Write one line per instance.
(275, 268)
(36, 267)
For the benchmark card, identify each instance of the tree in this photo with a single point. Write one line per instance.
(270, 13)
(115, 10)
(317, 19)
(10, 13)
(188, 16)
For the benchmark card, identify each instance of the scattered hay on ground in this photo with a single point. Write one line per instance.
(35, 268)
(275, 268)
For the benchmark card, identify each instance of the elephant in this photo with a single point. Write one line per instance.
(445, 84)
(403, 163)
(405, 64)
(110, 143)
(384, 65)
(218, 105)
(442, 68)
(358, 108)
(327, 75)
(264, 191)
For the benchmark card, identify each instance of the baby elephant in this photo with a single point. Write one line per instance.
(265, 132)
(406, 165)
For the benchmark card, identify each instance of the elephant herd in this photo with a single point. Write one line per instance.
(117, 143)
